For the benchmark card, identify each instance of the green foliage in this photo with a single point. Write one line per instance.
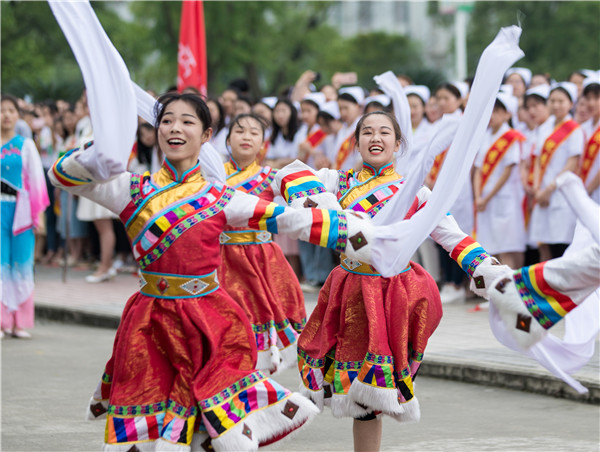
(268, 43)
(558, 37)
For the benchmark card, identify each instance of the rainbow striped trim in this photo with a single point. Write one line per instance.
(257, 183)
(278, 334)
(547, 305)
(300, 184)
(262, 394)
(329, 229)
(374, 200)
(469, 254)
(265, 216)
(168, 420)
(64, 178)
(160, 234)
(311, 371)
(378, 371)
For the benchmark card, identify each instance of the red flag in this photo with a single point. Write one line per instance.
(191, 57)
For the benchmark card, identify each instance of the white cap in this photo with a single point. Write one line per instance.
(383, 99)
(331, 108)
(419, 90)
(595, 78)
(586, 72)
(509, 101)
(522, 71)
(269, 101)
(462, 87)
(570, 88)
(507, 89)
(355, 91)
(541, 90)
(317, 98)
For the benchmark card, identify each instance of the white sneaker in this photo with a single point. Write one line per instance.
(453, 295)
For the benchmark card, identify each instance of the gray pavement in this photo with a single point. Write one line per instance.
(47, 381)
(462, 348)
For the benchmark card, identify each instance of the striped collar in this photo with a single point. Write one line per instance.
(369, 171)
(169, 170)
(231, 167)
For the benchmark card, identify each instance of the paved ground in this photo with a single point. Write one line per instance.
(47, 381)
(463, 347)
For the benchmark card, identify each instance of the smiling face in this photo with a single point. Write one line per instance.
(308, 113)
(181, 135)
(417, 109)
(560, 104)
(377, 140)
(447, 101)
(349, 111)
(245, 139)
(9, 115)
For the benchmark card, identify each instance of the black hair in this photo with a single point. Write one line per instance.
(292, 125)
(592, 88)
(193, 100)
(310, 102)
(239, 85)
(347, 97)
(245, 99)
(395, 125)
(378, 105)
(12, 99)
(144, 153)
(449, 87)
(499, 104)
(326, 116)
(236, 121)
(221, 123)
(418, 97)
(560, 88)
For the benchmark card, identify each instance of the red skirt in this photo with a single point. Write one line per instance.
(183, 372)
(259, 278)
(363, 344)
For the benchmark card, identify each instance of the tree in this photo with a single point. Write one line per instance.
(558, 37)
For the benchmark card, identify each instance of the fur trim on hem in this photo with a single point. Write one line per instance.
(317, 397)
(377, 399)
(268, 360)
(342, 406)
(89, 414)
(288, 357)
(411, 414)
(265, 425)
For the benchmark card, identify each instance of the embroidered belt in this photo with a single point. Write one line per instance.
(245, 237)
(164, 285)
(360, 268)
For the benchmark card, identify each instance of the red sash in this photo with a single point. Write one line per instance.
(316, 138)
(260, 157)
(556, 138)
(437, 166)
(589, 154)
(496, 152)
(344, 151)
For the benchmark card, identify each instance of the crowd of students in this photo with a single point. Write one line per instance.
(508, 204)
(218, 307)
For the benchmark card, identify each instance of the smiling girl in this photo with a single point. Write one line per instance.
(184, 357)
(253, 268)
(363, 344)
(552, 224)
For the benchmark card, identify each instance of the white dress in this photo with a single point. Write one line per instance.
(556, 222)
(353, 157)
(588, 129)
(501, 226)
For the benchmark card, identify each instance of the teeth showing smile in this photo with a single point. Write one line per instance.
(375, 149)
(175, 141)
